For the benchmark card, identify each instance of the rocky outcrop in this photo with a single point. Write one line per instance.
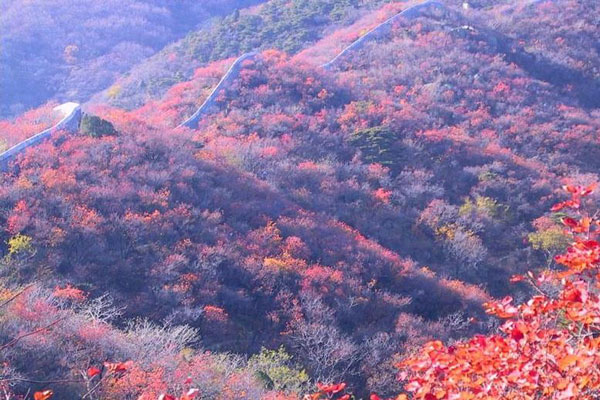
(231, 74)
(70, 122)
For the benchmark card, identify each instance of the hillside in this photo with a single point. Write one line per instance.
(65, 51)
(26, 125)
(277, 24)
(339, 216)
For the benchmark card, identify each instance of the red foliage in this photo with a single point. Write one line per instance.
(215, 314)
(70, 293)
(118, 367)
(331, 391)
(27, 125)
(271, 203)
(45, 395)
(548, 346)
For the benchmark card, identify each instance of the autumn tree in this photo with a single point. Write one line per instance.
(548, 347)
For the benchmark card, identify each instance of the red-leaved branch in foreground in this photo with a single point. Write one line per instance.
(548, 347)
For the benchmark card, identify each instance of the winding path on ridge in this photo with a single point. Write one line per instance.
(234, 71)
(72, 111)
(70, 123)
(410, 13)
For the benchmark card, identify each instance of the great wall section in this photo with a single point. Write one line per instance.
(409, 13)
(69, 123)
(72, 111)
(235, 68)
(231, 74)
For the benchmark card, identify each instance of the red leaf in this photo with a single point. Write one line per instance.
(93, 371)
(571, 189)
(570, 222)
(45, 395)
(331, 389)
(567, 361)
(589, 189)
(117, 367)
(591, 244)
(516, 334)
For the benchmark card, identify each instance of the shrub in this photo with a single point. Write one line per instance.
(276, 370)
(96, 127)
(19, 244)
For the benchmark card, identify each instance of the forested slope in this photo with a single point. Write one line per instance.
(287, 26)
(348, 214)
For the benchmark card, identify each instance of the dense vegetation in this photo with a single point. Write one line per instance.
(321, 225)
(548, 347)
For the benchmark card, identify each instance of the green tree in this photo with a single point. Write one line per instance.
(277, 371)
(376, 145)
(96, 127)
(484, 205)
(19, 245)
(551, 241)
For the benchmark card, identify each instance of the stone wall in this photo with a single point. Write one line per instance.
(385, 27)
(231, 74)
(69, 123)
